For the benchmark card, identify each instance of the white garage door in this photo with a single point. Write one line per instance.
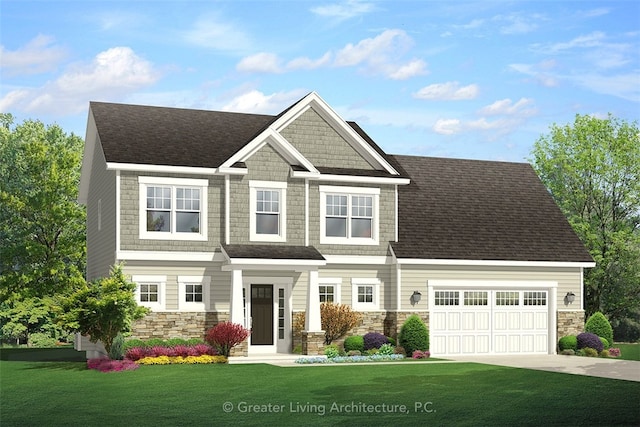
(489, 322)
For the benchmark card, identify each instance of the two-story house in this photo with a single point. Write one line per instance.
(252, 218)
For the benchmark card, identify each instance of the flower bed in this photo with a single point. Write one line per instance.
(350, 359)
(108, 365)
(137, 353)
(173, 360)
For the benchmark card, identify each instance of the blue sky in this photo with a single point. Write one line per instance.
(480, 80)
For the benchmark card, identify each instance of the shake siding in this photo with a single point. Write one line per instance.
(321, 144)
(101, 244)
(130, 217)
(415, 278)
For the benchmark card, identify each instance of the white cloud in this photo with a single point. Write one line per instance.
(449, 91)
(414, 68)
(304, 63)
(215, 33)
(345, 10)
(37, 56)
(625, 86)
(593, 39)
(508, 107)
(447, 126)
(115, 72)
(517, 24)
(256, 102)
(262, 62)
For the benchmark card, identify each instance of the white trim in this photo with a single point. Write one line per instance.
(281, 188)
(135, 167)
(373, 180)
(117, 212)
(336, 282)
(174, 183)
(395, 214)
(324, 190)
(306, 212)
(357, 259)
(159, 280)
(492, 263)
(99, 214)
(366, 306)
(233, 171)
(489, 284)
(398, 287)
(205, 305)
(227, 209)
(169, 256)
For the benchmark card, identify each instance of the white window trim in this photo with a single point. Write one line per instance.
(349, 191)
(203, 184)
(365, 306)
(205, 305)
(161, 281)
(254, 186)
(337, 287)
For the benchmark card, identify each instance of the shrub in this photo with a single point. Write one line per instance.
(354, 353)
(590, 352)
(568, 352)
(116, 352)
(226, 335)
(41, 340)
(391, 341)
(605, 343)
(419, 354)
(604, 353)
(569, 342)
(107, 365)
(400, 350)
(155, 342)
(337, 320)
(172, 342)
(589, 340)
(374, 340)
(170, 360)
(414, 335)
(371, 352)
(331, 351)
(599, 325)
(614, 352)
(386, 349)
(133, 342)
(355, 342)
(297, 349)
(137, 353)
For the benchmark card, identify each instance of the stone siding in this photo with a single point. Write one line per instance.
(570, 323)
(176, 324)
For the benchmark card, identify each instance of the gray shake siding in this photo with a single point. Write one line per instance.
(321, 144)
(101, 219)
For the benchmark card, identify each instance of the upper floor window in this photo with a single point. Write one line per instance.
(173, 208)
(268, 211)
(349, 215)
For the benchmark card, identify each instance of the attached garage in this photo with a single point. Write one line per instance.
(492, 317)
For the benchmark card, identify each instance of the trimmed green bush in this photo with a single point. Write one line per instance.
(605, 343)
(414, 335)
(590, 352)
(331, 351)
(599, 325)
(604, 353)
(116, 352)
(569, 342)
(355, 342)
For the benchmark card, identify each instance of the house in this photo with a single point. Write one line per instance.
(252, 218)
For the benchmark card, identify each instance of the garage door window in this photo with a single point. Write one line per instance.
(507, 298)
(535, 298)
(475, 298)
(447, 298)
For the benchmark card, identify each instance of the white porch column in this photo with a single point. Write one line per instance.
(237, 307)
(312, 318)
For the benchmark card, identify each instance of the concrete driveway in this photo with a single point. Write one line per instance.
(592, 366)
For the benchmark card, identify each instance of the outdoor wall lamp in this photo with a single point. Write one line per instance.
(571, 297)
(415, 298)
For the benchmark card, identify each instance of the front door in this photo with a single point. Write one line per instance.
(261, 314)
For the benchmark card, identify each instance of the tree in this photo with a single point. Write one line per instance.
(592, 170)
(102, 309)
(42, 227)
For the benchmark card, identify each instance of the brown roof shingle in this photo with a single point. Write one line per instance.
(481, 210)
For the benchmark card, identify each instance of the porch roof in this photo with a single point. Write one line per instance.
(272, 252)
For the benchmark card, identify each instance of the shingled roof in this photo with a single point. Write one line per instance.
(480, 210)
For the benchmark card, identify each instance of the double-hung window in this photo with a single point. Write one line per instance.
(349, 215)
(173, 208)
(268, 220)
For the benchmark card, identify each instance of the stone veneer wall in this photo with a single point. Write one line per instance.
(176, 324)
(570, 323)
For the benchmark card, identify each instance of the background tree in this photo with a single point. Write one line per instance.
(103, 308)
(592, 169)
(42, 227)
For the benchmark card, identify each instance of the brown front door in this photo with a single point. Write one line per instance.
(262, 314)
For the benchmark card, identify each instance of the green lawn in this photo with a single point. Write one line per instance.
(629, 351)
(67, 394)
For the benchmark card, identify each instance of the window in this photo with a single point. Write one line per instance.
(150, 291)
(535, 298)
(280, 313)
(193, 293)
(365, 294)
(475, 298)
(349, 215)
(173, 208)
(329, 289)
(507, 298)
(268, 211)
(447, 297)
(327, 293)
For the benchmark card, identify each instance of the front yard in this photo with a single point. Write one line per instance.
(66, 393)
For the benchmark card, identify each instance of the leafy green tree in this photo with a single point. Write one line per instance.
(592, 169)
(42, 227)
(103, 308)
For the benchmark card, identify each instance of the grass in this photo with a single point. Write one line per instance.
(66, 393)
(629, 351)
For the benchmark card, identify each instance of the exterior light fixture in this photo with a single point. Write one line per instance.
(415, 298)
(571, 297)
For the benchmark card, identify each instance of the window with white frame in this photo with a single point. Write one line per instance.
(173, 208)
(349, 215)
(150, 291)
(268, 211)
(193, 293)
(365, 294)
(329, 289)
